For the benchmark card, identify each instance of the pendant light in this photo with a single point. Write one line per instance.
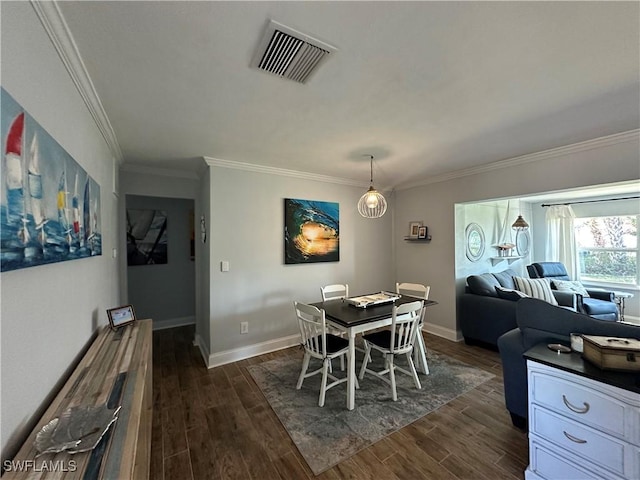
(372, 204)
(520, 224)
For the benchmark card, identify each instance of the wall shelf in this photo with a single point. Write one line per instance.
(511, 259)
(418, 240)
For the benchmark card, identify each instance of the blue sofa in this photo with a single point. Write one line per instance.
(483, 315)
(540, 322)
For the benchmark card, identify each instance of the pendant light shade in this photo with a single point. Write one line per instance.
(372, 204)
(520, 224)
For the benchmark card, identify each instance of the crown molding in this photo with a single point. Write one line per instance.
(162, 172)
(56, 27)
(630, 136)
(251, 167)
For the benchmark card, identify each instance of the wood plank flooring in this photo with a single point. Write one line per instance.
(215, 424)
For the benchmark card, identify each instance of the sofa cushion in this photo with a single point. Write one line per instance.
(551, 269)
(593, 306)
(506, 279)
(569, 286)
(510, 294)
(536, 288)
(484, 284)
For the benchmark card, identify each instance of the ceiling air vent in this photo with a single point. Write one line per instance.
(290, 54)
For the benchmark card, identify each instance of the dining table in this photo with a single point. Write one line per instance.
(353, 320)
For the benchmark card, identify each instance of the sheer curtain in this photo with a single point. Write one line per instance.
(561, 246)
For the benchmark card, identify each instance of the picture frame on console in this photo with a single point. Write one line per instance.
(422, 232)
(121, 316)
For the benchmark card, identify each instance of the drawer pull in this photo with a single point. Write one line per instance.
(574, 408)
(572, 438)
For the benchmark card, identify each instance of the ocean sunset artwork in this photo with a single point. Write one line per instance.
(311, 231)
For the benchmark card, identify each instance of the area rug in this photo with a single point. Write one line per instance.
(325, 436)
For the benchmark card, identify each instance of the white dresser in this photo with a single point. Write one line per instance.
(581, 426)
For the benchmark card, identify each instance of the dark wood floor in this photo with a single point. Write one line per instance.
(215, 424)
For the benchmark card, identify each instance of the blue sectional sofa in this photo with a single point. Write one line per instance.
(540, 322)
(484, 315)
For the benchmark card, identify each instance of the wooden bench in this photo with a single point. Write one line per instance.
(117, 370)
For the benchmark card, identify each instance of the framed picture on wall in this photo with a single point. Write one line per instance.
(121, 316)
(311, 231)
(422, 232)
(414, 229)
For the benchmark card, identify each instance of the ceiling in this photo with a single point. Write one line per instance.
(427, 88)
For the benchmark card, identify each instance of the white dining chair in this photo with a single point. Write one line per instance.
(318, 344)
(420, 291)
(336, 290)
(332, 292)
(398, 340)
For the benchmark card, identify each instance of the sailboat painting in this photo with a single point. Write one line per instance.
(49, 206)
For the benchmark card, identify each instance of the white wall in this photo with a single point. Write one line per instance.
(491, 218)
(247, 215)
(434, 264)
(50, 312)
(203, 266)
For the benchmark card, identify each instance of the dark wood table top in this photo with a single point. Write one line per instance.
(343, 313)
(574, 363)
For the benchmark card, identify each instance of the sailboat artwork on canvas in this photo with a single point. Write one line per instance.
(42, 220)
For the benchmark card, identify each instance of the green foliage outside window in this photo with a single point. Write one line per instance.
(608, 248)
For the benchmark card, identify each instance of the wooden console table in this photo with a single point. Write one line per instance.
(117, 370)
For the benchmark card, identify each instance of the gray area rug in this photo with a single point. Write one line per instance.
(327, 435)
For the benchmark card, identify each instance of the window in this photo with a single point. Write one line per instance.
(608, 249)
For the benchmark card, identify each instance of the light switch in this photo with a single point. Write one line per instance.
(224, 266)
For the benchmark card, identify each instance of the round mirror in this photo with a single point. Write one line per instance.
(474, 241)
(523, 242)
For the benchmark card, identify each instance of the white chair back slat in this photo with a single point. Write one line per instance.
(337, 290)
(312, 323)
(404, 324)
(413, 289)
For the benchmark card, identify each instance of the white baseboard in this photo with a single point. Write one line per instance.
(449, 334)
(228, 356)
(198, 342)
(173, 322)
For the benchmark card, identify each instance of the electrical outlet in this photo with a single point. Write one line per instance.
(244, 327)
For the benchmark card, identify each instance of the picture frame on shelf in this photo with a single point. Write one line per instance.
(414, 229)
(121, 316)
(422, 232)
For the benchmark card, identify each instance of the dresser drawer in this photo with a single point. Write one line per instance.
(601, 406)
(608, 452)
(546, 463)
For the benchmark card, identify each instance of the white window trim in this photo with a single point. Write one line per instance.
(601, 283)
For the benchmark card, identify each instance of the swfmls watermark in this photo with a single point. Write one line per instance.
(40, 466)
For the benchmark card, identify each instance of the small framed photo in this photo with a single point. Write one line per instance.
(121, 316)
(422, 232)
(414, 229)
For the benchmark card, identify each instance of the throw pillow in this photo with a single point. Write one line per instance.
(483, 284)
(509, 294)
(536, 288)
(568, 286)
(506, 279)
